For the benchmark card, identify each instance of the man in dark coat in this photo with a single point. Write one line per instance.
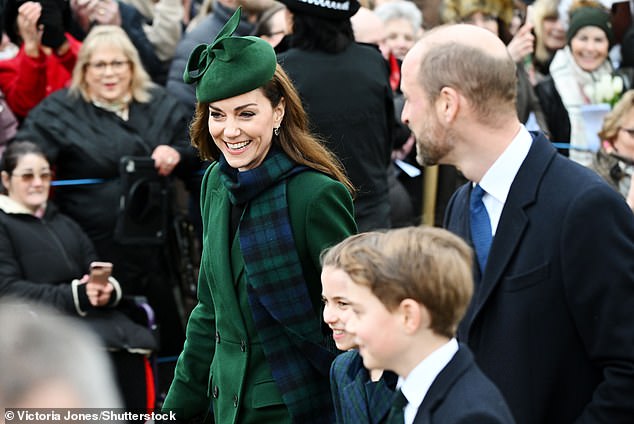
(550, 320)
(345, 89)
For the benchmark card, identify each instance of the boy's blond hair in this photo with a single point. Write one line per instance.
(429, 265)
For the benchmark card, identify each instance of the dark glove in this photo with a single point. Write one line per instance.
(53, 20)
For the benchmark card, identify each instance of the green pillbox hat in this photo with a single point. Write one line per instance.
(230, 66)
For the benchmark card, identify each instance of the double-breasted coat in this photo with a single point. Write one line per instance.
(223, 362)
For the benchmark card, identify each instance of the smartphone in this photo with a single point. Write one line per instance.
(100, 271)
(530, 15)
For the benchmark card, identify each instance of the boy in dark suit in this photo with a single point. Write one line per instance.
(408, 289)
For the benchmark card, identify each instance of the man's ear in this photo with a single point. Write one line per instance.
(414, 316)
(448, 105)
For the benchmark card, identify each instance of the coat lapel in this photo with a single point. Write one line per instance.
(514, 220)
(380, 395)
(366, 400)
(437, 392)
(218, 250)
(354, 391)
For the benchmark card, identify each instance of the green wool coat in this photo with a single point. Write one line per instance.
(222, 361)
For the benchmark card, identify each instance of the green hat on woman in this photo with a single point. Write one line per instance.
(230, 66)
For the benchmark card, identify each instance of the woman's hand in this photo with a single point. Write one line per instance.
(98, 294)
(165, 159)
(106, 12)
(28, 15)
(103, 12)
(522, 44)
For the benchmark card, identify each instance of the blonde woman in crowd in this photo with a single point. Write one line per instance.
(615, 159)
(113, 110)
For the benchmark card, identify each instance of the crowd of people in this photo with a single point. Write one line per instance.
(276, 153)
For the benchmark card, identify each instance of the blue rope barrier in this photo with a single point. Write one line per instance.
(83, 181)
(87, 181)
(165, 359)
(569, 147)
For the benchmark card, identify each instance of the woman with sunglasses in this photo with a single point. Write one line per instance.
(33, 230)
(615, 159)
(45, 257)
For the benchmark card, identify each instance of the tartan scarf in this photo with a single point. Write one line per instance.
(287, 325)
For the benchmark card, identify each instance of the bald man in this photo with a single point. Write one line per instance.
(551, 320)
(368, 27)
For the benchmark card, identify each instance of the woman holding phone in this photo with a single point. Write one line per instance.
(45, 257)
(110, 111)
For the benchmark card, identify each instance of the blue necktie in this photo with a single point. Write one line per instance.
(481, 234)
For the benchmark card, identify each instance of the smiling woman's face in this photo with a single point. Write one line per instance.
(590, 47)
(242, 128)
(29, 183)
(108, 75)
(554, 33)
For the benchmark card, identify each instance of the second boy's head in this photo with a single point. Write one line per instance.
(407, 291)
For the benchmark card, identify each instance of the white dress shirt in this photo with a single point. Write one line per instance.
(497, 181)
(420, 379)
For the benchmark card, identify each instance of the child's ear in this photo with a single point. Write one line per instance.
(415, 316)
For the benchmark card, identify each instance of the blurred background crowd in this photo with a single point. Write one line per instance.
(96, 89)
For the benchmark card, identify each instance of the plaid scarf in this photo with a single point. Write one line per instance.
(287, 325)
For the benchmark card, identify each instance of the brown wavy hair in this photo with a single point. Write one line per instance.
(295, 138)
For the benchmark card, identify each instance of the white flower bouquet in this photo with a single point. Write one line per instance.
(608, 89)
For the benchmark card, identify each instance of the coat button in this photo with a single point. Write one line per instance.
(235, 401)
(217, 337)
(215, 393)
(243, 346)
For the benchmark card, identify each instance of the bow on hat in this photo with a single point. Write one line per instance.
(230, 65)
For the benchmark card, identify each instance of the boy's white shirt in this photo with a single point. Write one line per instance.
(420, 379)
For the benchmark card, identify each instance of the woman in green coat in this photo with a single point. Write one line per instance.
(274, 198)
